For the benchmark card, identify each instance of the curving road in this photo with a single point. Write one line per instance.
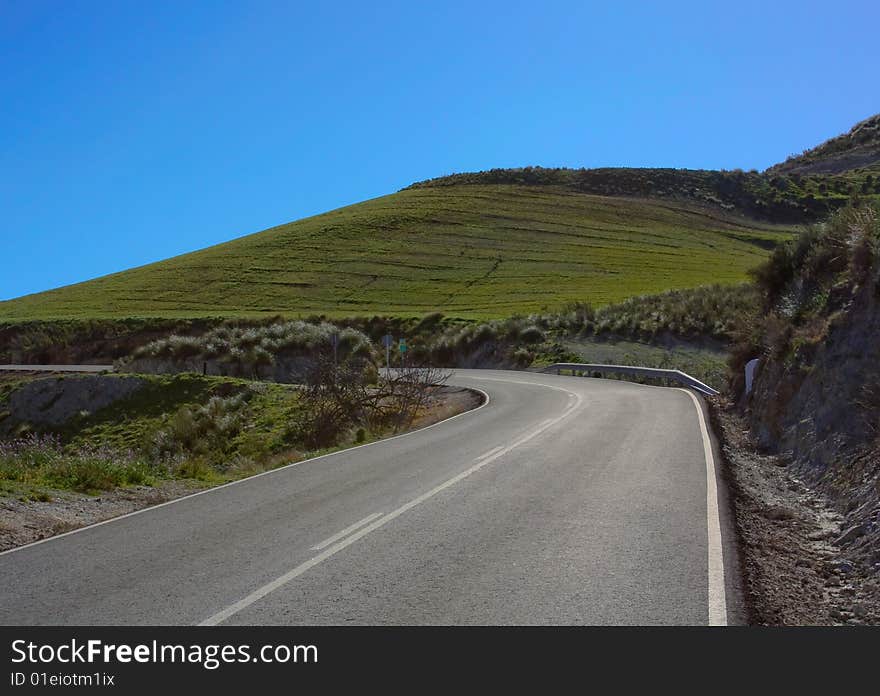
(562, 500)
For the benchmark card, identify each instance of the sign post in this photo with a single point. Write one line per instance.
(387, 341)
(334, 341)
(402, 348)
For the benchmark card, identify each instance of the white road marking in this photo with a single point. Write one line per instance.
(268, 588)
(272, 472)
(345, 532)
(717, 592)
(489, 453)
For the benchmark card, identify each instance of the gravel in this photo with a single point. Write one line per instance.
(793, 542)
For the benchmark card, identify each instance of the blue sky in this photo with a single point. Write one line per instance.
(134, 131)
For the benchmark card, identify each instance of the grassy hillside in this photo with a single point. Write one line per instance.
(773, 196)
(473, 251)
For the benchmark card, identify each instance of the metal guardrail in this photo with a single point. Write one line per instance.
(674, 375)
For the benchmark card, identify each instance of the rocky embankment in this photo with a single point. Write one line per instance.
(821, 415)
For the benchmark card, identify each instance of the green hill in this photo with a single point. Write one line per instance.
(472, 251)
(491, 244)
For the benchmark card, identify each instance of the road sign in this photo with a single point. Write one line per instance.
(402, 345)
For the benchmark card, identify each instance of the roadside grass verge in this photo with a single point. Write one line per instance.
(185, 427)
(39, 462)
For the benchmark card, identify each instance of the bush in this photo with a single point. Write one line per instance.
(254, 347)
(805, 282)
(204, 431)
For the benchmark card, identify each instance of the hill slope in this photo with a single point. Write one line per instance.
(475, 251)
(858, 149)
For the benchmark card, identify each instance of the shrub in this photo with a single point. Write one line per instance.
(805, 282)
(202, 430)
(532, 335)
(41, 460)
(253, 347)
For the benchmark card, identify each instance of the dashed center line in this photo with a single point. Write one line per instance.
(345, 532)
(364, 528)
(489, 453)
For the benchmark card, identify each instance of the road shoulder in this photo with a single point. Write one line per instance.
(793, 572)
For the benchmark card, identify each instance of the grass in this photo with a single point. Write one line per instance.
(185, 426)
(212, 429)
(779, 194)
(40, 462)
(475, 252)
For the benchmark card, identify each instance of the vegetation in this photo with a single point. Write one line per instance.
(777, 195)
(78, 341)
(336, 397)
(41, 461)
(475, 252)
(482, 246)
(183, 426)
(857, 151)
(211, 429)
(250, 350)
(685, 330)
(810, 283)
(709, 311)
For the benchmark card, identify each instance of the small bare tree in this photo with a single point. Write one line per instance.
(337, 397)
(403, 393)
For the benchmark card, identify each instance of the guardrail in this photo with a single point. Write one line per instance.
(674, 375)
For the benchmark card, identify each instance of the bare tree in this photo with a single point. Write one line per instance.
(337, 397)
(405, 392)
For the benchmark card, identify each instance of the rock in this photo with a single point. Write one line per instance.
(779, 513)
(844, 566)
(54, 401)
(850, 534)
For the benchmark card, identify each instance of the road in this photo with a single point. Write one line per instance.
(562, 500)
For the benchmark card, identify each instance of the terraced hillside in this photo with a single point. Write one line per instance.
(471, 251)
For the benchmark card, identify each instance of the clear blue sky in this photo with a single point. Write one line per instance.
(134, 131)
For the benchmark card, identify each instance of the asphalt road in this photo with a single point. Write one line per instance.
(563, 500)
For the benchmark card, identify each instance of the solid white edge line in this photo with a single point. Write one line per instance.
(486, 400)
(270, 587)
(345, 532)
(717, 598)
